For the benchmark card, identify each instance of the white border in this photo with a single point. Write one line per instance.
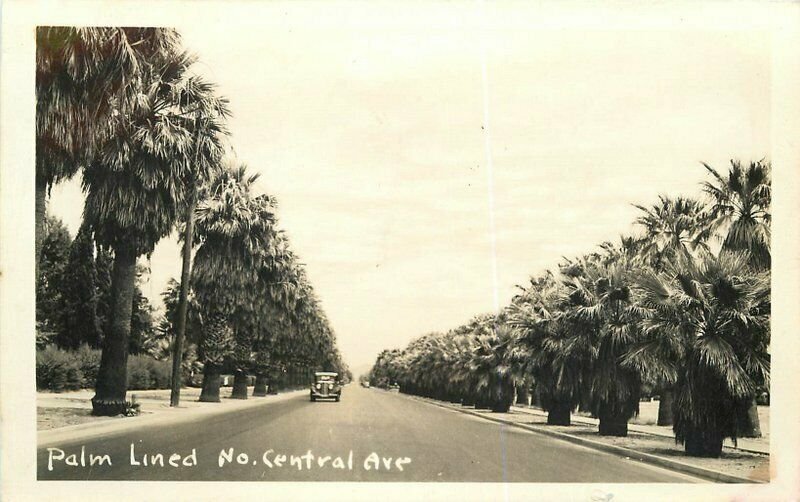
(17, 380)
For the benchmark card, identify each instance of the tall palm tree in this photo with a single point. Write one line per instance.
(231, 223)
(556, 363)
(262, 365)
(674, 229)
(715, 314)
(740, 209)
(603, 314)
(249, 315)
(740, 214)
(388, 369)
(208, 129)
(496, 364)
(283, 310)
(84, 76)
(461, 375)
(134, 188)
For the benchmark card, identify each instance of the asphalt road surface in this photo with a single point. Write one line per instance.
(371, 435)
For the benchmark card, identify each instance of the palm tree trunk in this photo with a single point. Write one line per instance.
(612, 422)
(260, 388)
(559, 414)
(41, 212)
(239, 385)
(453, 397)
(536, 396)
(665, 405)
(112, 385)
(483, 401)
(183, 300)
(703, 443)
(585, 405)
(522, 395)
(211, 383)
(751, 426)
(504, 396)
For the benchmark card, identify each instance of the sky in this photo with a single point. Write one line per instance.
(423, 168)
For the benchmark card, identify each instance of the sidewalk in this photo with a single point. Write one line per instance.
(734, 466)
(66, 416)
(759, 445)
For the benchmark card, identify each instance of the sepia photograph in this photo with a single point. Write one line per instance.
(435, 250)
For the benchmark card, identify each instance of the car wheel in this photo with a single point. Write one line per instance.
(313, 399)
(337, 399)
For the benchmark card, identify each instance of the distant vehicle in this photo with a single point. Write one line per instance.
(394, 387)
(365, 384)
(326, 386)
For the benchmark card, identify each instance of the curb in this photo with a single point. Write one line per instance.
(631, 427)
(91, 430)
(673, 465)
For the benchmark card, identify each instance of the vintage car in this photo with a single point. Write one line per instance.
(326, 386)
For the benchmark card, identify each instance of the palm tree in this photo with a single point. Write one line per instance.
(740, 212)
(715, 314)
(388, 368)
(250, 315)
(461, 375)
(208, 129)
(740, 209)
(495, 363)
(233, 228)
(603, 314)
(674, 229)
(134, 188)
(262, 365)
(555, 362)
(453, 362)
(84, 76)
(286, 304)
(243, 357)
(216, 345)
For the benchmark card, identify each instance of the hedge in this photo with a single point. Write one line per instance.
(58, 370)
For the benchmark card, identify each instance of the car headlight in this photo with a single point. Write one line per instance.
(318, 386)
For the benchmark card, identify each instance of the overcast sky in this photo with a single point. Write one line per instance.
(374, 137)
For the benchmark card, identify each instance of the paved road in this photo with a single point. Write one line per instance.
(371, 435)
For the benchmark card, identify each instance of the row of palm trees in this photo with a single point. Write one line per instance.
(262, 314)
(682, 308)
(122, 107)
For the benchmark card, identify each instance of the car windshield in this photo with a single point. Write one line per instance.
(325, 378)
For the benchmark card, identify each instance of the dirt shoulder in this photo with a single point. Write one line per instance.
(66, 409)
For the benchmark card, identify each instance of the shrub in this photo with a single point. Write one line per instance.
(160, 373)
(139, 373)
(52, 365)
(89, 363)
(43, 337)
(73, 377)
(59, 370)
(144, 373)
(132, 408)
